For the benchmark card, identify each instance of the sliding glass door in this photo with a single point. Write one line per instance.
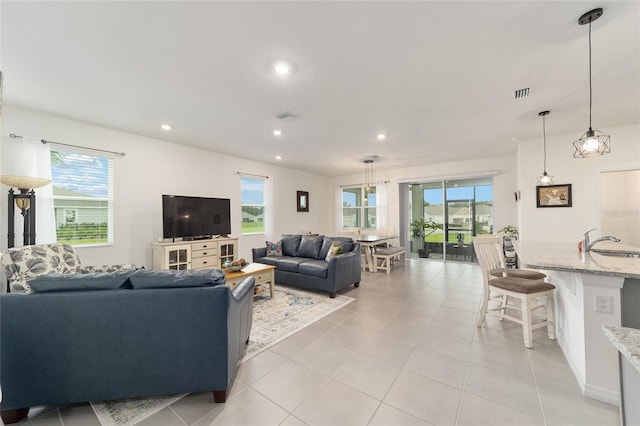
(451, 213)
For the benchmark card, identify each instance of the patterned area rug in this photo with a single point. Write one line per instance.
(127, 412)
(289, 311)
(273, 321)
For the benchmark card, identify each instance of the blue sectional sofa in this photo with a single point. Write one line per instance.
(303, 262)
(122, 334)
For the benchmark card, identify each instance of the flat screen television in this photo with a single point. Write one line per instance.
(195, 217)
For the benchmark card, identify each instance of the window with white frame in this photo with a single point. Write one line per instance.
(82, 197)
(252, 205)
(359, 207)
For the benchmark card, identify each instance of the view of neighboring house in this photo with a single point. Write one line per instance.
(71, 207)
(461, 216)
(248, 217)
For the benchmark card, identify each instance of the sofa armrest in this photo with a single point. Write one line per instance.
(346, 261)
(239, 321)
(244, 287)
(258, 252)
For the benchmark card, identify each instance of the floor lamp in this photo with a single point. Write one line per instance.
(25, 200)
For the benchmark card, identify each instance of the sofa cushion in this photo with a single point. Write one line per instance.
(334, 250)
(274, 249)
(310, 246)
(314, 268)
(345, 242)
(290, 263)
(81, 282)
(326, 243)
(290, 244)
(148, 279)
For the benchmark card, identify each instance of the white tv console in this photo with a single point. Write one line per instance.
(196, 254)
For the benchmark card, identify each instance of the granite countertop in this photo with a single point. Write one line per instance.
(563, 256)
(627, 341)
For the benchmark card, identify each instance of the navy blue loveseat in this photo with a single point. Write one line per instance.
(303, 262)
(123, 334)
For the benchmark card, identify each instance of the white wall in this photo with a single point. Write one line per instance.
(153, 167)
(570, 223)
(504, 184)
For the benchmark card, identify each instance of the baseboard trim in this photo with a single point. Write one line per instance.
(604, 395)
(590, 391)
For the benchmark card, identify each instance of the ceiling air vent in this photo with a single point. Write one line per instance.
(521, 93)
(286, 115)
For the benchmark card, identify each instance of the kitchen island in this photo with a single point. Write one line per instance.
(592, 289)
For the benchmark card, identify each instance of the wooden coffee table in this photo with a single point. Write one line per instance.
(262, 273)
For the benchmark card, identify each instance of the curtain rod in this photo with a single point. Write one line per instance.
(438, 178)
(251, 174)
(117, 154)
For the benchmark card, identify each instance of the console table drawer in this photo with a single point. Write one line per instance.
(204, 246)
(195, 254)
(208, 262)
(262, 276)
(260, 279)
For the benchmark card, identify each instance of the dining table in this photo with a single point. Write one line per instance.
(369, 244)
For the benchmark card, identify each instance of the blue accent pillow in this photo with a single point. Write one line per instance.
(310, 246)
(81, 282)
(148, 279)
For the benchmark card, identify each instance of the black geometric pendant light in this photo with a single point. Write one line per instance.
(592, 142)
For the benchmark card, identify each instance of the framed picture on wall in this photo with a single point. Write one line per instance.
(554, 196)
(302, 198)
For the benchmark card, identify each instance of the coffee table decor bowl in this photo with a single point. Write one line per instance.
(236, 265)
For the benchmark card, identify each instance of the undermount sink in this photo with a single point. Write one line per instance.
(615, 253)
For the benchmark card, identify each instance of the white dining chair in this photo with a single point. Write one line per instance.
(512, 292)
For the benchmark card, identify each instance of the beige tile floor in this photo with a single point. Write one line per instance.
(405, 352)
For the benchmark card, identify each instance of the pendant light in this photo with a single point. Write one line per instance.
(368, 173)
(545, 178)
(592, 142)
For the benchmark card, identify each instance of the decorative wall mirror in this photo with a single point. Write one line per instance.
(302, 199)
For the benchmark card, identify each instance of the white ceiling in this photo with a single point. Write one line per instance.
(438, 77)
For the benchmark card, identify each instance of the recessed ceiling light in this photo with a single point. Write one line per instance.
(166, 127)
(277, 132)
(278, 157)
(381, 136)
(282, 68)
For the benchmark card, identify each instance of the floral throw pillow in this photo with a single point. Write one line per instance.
(334, 250)
(274, 249)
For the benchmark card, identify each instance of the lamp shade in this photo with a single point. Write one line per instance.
(26, 163)
(24, 182)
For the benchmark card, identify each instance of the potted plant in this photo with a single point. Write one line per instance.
(509, 231)
(420, 229)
